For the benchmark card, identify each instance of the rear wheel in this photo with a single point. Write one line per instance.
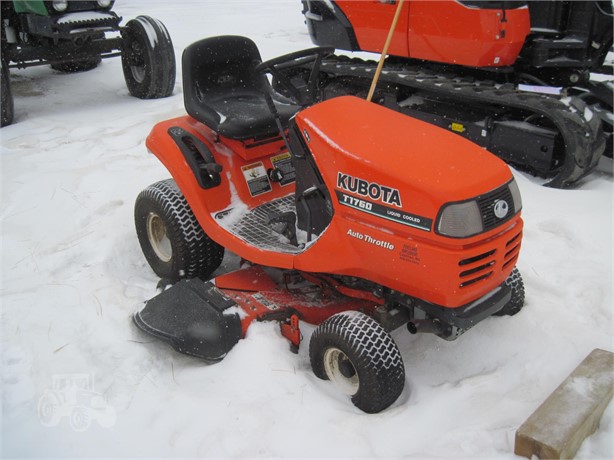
(354, 351)
(148, 59)
(514, 281)
(171, 238)
(7, 95)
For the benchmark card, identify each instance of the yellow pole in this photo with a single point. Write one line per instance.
(385, 50)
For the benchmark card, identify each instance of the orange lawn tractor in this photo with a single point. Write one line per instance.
(345, 214)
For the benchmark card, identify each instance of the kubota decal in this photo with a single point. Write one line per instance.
(385, 212)
(372, 190)
(264, 301)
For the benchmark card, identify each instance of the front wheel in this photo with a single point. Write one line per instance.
(355, 352)
(7, 95)
(171, 238)
(148, 59)
(514, 281)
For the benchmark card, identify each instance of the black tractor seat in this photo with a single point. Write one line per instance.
(222, 90)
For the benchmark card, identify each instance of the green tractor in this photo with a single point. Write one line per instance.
(74, 36)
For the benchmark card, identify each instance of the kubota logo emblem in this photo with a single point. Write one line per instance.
(371, 190)
(501, 208)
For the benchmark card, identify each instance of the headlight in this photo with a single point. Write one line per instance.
(60, 5)
(515, 191)
(460, 220)
(482, 214)
(105, 3)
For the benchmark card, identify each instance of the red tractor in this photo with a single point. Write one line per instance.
(512, 76)
(346, 214)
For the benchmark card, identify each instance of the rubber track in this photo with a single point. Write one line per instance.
(583, 140)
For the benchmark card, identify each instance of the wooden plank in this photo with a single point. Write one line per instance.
(571, 413)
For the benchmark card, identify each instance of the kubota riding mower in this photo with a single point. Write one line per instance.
(347, 215)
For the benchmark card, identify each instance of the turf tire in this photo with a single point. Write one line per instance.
(515, 282)
(148, 62)
(192, 253)
(373, 355)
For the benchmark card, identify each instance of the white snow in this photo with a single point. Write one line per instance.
(150, 31)
(73, 274)
(236, 210)
(556, 90)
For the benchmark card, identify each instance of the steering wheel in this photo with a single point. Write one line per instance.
(279, 67)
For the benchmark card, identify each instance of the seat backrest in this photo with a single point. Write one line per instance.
(217, 66)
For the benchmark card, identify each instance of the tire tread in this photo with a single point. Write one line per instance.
(373, 352)
(194, 253)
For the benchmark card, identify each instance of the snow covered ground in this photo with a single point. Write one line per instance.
(73, 274)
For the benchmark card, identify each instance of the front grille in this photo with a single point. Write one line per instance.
(471, 260)
(487, 202)
(482, 266)
(512, 249)
(477, 268)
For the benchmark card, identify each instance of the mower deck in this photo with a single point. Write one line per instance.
(197, 317)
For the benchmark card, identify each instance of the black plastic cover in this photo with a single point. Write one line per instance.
(192, 317)
(198, 156)
(313, 204)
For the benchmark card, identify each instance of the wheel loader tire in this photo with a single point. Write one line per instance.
(171, 238)
(77, 66)
(148, 58)
(514, 281)
(7, 95)
(355, 352)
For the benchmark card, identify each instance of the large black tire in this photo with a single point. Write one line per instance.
(355, 352)
(148, 58)
(171, 238)
(7, 95)
(77, 66)
(514, 281)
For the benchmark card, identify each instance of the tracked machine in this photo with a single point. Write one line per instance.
(511, 76)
